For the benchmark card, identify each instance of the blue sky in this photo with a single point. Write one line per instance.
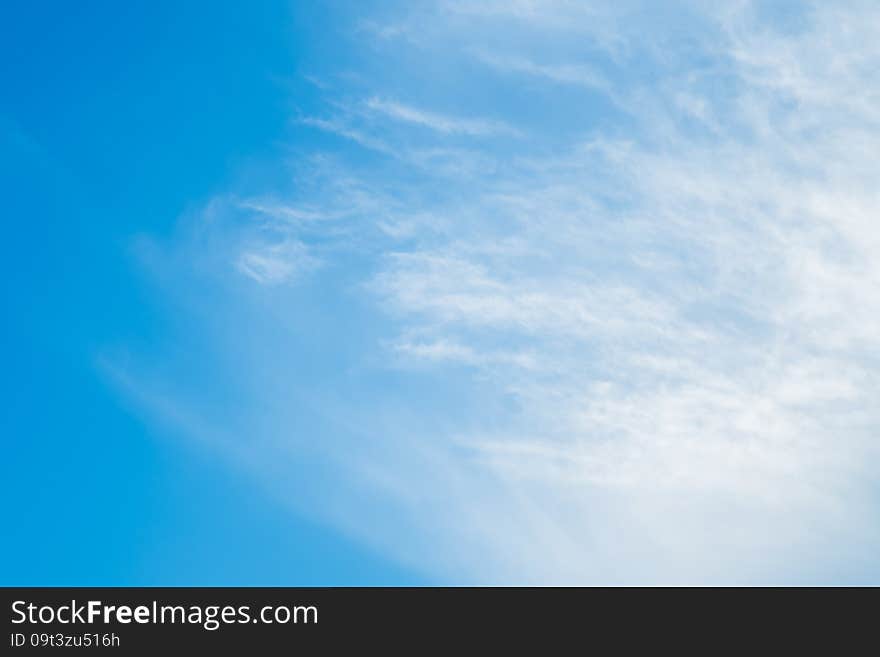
(440, 293)
(115, 120)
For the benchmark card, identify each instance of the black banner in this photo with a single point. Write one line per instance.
(148, 620)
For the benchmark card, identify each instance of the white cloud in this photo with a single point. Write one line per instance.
(339, 128)
(671, 325)
(576, 74)
(272, 264)
(439, 122)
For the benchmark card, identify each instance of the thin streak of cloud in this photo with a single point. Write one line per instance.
(439, 122)
(339, 128)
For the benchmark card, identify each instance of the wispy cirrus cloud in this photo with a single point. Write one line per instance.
(649, 348)
(575, 74)
(439, 122)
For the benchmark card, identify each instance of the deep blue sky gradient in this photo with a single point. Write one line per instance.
(115, 119)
